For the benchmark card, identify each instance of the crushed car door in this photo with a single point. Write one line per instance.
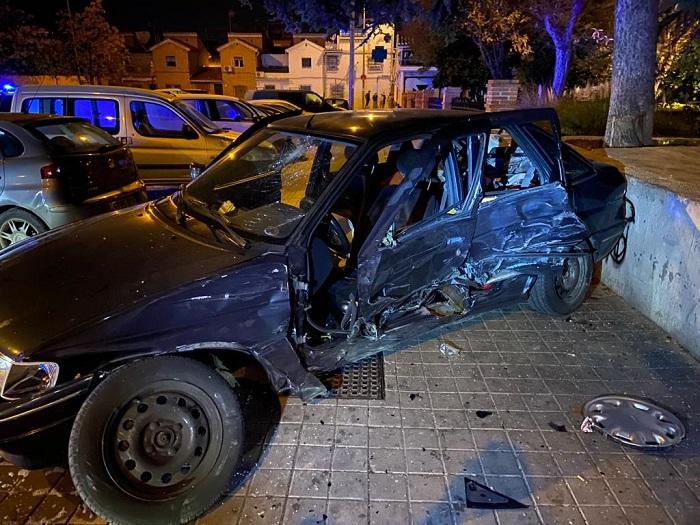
(422, 236)
(524, 213)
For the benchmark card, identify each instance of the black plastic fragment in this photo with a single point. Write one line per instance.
(557, 427)
(482, 497)
(481, 414)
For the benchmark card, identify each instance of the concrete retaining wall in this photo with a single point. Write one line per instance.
(660, 275)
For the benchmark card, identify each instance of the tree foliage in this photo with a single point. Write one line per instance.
(679, 27)
(332, 17)
(82, 44)
(497, 27)
(96, 49)
(26, 48)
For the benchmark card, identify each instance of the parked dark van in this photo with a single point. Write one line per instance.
(309, 101)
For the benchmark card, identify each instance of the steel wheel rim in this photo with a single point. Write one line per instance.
(15, 230)
(163, 441)
(569, 283)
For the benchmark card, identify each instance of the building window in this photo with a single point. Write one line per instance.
(332, 62)
(338, 90)
(269, 86)
(306, 62)
(305, 87)
(237, 61)
(170, 61)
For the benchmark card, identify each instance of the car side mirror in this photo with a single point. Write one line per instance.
(189, 132)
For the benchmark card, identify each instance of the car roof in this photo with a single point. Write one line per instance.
(186, 95)
(92, 90)
(21, 119)
(366, 125)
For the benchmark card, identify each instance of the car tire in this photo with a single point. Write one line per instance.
(158, 441)
(562, 292)
(11, 223)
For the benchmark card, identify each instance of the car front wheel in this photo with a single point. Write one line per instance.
(158, 441)
(563, 291)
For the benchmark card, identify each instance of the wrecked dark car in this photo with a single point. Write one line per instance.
(312, 242)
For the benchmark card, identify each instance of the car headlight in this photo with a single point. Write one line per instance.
(25, 379)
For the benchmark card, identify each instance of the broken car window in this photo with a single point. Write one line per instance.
(508, 165)
(265, 186)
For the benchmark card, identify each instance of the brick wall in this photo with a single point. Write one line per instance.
(501, 95)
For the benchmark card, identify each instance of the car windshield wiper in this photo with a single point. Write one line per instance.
(200, 210)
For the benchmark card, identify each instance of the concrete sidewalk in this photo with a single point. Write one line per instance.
(491, 412)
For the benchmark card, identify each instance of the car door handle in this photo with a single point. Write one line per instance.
(127, 141)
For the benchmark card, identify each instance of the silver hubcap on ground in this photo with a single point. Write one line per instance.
(15, 230)
(634, 422)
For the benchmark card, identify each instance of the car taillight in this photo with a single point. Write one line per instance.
(50, 171)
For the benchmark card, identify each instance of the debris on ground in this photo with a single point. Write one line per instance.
(587, 425)
(482, 497)
(414, 396)
(449, 350)
(557, 427)
(481, 414)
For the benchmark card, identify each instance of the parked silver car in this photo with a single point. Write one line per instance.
(55, 170)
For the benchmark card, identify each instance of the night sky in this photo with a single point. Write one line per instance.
(207, 17)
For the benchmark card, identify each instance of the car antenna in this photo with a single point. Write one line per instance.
(308, 122)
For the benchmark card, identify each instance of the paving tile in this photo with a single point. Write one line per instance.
(645, 516)
(569, 514)
(427, 487)
(427, 461)
(262, 511)
(387, 460)
(349, 485)
(605, 515)
(388, 513)
(351, 458)
(388, 487)
(385, 437)
(347, 512)
(550, 490)
(591, 491)
(431, 514)
(304, 510)
(270, 483)
(310, 483)
(313, 458)
(499, 462)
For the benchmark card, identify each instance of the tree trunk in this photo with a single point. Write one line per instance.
(494, 57)
(631, 114)
(562, 56)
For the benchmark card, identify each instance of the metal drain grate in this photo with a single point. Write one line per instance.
(361, 380)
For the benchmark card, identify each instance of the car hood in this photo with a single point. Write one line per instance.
(75, 276)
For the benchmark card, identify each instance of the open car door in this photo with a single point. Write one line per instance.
(420, 239)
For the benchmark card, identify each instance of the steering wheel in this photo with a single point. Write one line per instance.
(338, 241)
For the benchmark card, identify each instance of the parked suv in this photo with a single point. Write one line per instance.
(55, 170)
(309, 101)
(165, 135)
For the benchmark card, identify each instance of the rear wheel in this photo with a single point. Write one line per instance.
(563, 292)
(17, 225)
(158, 441)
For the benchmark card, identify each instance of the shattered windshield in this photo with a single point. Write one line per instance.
(265, 186)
